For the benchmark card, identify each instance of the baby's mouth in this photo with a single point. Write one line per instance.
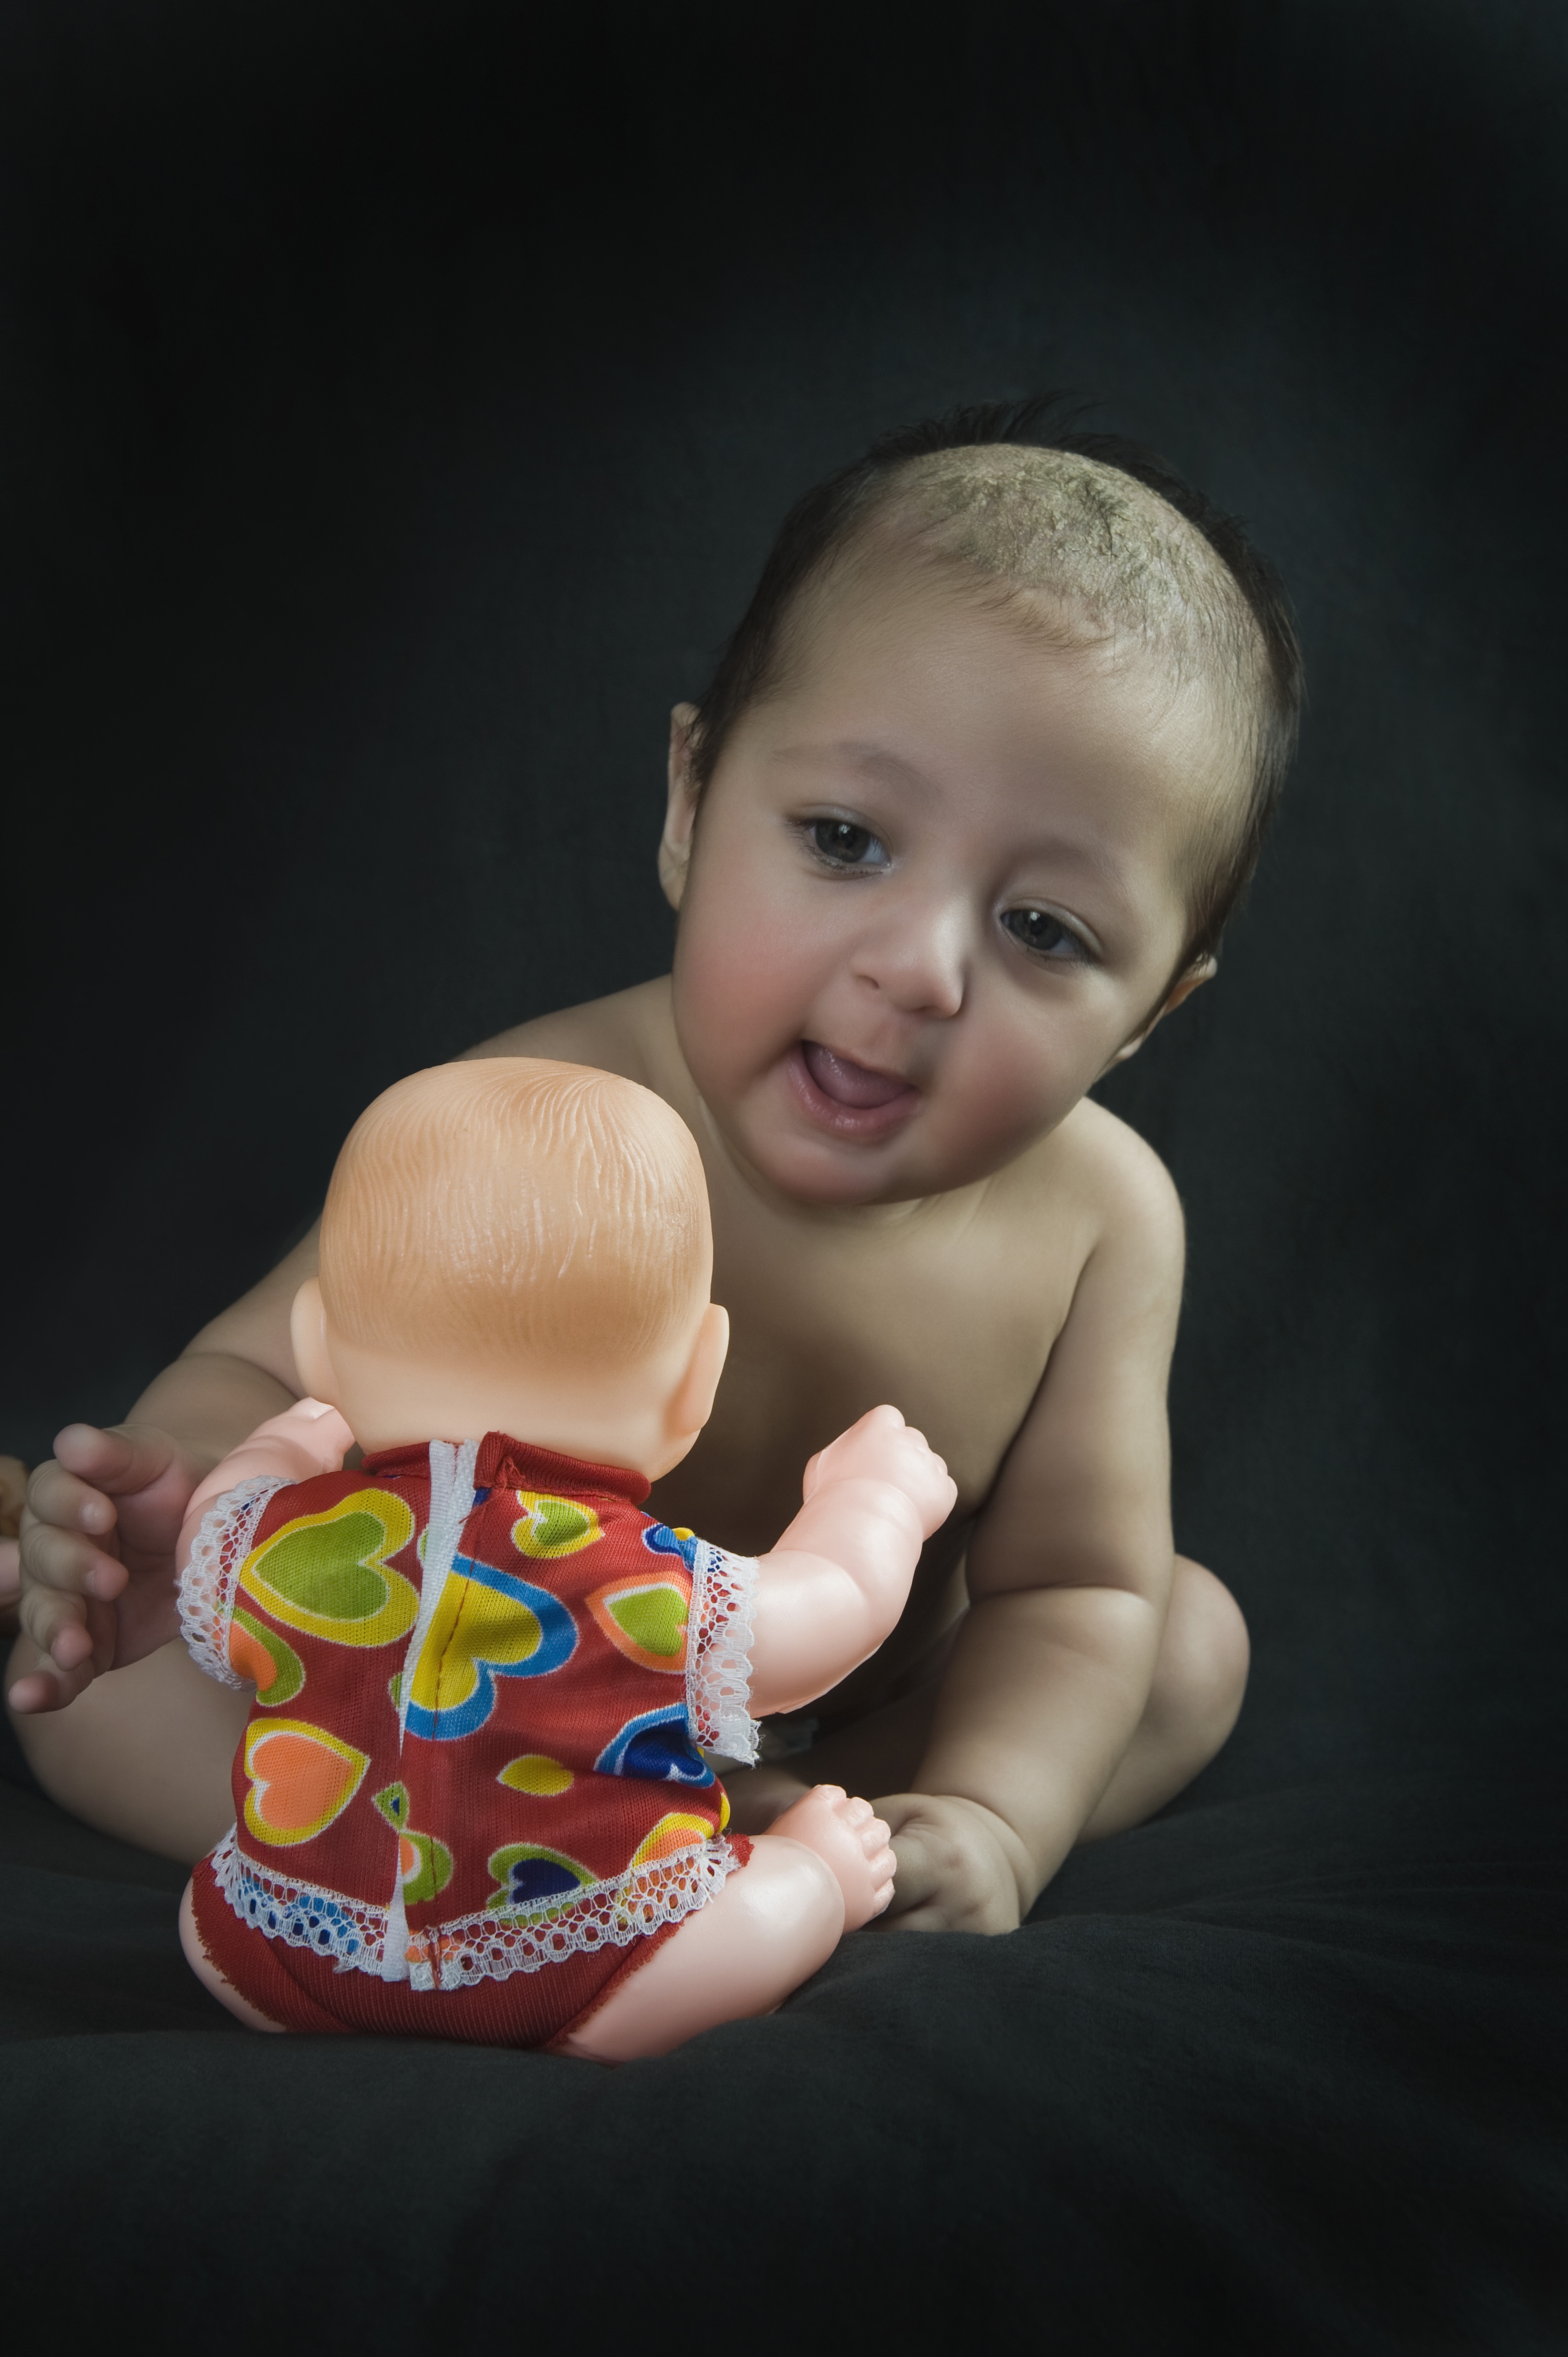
(851, 1085)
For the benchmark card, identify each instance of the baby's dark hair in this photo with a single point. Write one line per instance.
(1012, 491)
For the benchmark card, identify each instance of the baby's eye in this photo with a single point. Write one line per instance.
(1045, 935)
(844, 844)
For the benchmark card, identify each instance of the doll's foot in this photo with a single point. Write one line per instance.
(851, 1841)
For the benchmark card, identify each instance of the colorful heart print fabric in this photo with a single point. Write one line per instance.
(547, 1744)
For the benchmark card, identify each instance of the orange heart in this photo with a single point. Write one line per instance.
(249, 1657)
(301, 1778)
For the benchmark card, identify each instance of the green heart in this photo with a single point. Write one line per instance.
(654, 1617)
(327, 1574)
(323, 1569)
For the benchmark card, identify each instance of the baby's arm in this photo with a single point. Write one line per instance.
(834, 1586)
(1070, 1574)
(98, 1536)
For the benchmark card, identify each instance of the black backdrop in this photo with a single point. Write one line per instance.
(398, 400)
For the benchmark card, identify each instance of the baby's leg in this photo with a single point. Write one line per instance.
(825, 1868)
(208, 1974)
(1194, 1703)
(145, 1753)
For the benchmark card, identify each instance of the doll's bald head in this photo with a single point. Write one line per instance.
(506, 1210)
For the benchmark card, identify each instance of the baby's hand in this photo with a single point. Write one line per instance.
(97, 1557)
(882, 1448)
(959, 1865)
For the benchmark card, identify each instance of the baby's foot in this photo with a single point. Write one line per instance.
(849, 1839)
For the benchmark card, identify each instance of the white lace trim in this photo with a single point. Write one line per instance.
(718, 1654)
(487, 1946)
(224, 1538)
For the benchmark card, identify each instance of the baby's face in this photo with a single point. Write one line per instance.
(935, 887)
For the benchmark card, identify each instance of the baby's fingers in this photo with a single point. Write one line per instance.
(117, 1462)
(61, 1501)
(68, 1562)
(68, 1629)
(45, 1685)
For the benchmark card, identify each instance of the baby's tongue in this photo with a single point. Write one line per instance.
(847, 1084)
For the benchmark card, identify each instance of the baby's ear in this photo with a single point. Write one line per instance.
(1200, 970)
(307, 1332)
(681, 811)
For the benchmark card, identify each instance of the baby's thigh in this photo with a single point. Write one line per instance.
(145, 1753)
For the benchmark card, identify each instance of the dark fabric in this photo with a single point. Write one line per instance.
(399, 399)
(1280, 2073)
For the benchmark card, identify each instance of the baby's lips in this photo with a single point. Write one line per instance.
(850, 1084)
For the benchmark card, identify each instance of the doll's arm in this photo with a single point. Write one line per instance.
(225, 1508)
(306, 1439)
(834, 1586)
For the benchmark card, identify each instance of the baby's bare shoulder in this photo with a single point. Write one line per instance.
(1112, 1184)
(628, 1032)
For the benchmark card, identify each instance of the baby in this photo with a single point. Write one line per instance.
(468, 1804)
(959, 820)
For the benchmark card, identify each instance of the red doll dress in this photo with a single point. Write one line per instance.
(470, 1796)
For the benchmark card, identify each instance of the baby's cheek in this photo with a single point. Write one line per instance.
(742, 982)
(1002, 1094)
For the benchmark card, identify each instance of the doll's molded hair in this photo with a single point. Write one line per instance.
(506, 1208)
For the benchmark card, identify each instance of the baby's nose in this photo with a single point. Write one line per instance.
(917, 962)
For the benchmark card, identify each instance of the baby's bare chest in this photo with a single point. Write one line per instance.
(953, 1328)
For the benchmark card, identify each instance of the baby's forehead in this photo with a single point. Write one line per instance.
(888, 623)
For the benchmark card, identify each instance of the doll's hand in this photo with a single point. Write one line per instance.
(961, 1868)
(97, 1557)
(882, 1448)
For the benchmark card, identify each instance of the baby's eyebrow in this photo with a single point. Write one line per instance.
(861, 753)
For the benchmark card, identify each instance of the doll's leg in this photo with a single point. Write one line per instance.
(208, 1974)
(825, 1867)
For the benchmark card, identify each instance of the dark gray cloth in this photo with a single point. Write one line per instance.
(1280, 2072)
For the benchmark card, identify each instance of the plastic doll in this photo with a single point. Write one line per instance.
(471, 1799)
